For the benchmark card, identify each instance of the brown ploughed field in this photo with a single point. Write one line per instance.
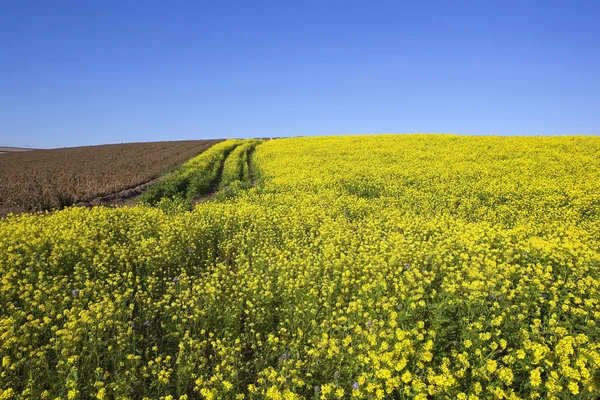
(14, 149)
(53, 179)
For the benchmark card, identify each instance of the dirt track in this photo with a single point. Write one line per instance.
(121, 198)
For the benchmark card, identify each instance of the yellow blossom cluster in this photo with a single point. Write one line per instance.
(361, 267)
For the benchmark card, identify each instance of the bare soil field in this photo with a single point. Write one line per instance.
(6, 149)
(53, 179)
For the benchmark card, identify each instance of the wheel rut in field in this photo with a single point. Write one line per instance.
(121, 198)
(253, 178)
(127, 197)
(215, 185)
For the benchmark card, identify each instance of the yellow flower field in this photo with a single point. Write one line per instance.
(360, 267)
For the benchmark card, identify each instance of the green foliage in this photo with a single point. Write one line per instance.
(194, 178)
(237, 165)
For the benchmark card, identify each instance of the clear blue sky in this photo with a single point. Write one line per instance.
(89, 72)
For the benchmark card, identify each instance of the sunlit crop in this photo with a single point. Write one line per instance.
(368, 267)
(195, 177)
(236, 168)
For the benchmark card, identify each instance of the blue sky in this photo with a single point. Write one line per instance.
(90, 72)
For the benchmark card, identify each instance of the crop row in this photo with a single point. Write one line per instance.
(195, 177)
(236, 169)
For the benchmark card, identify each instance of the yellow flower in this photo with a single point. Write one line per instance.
(7, 394)
(535, 379)
(101, 395)
(506, 375)
(491, 366)
(427, 356)
(273, 393)
(573, 388)
(326, 389)
(207, 394)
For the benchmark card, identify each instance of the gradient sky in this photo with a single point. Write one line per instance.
(90, 72)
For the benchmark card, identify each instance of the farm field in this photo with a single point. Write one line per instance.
(356, 267)
(48, 179)
(14, 149)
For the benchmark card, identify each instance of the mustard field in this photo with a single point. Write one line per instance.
(357, 267)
